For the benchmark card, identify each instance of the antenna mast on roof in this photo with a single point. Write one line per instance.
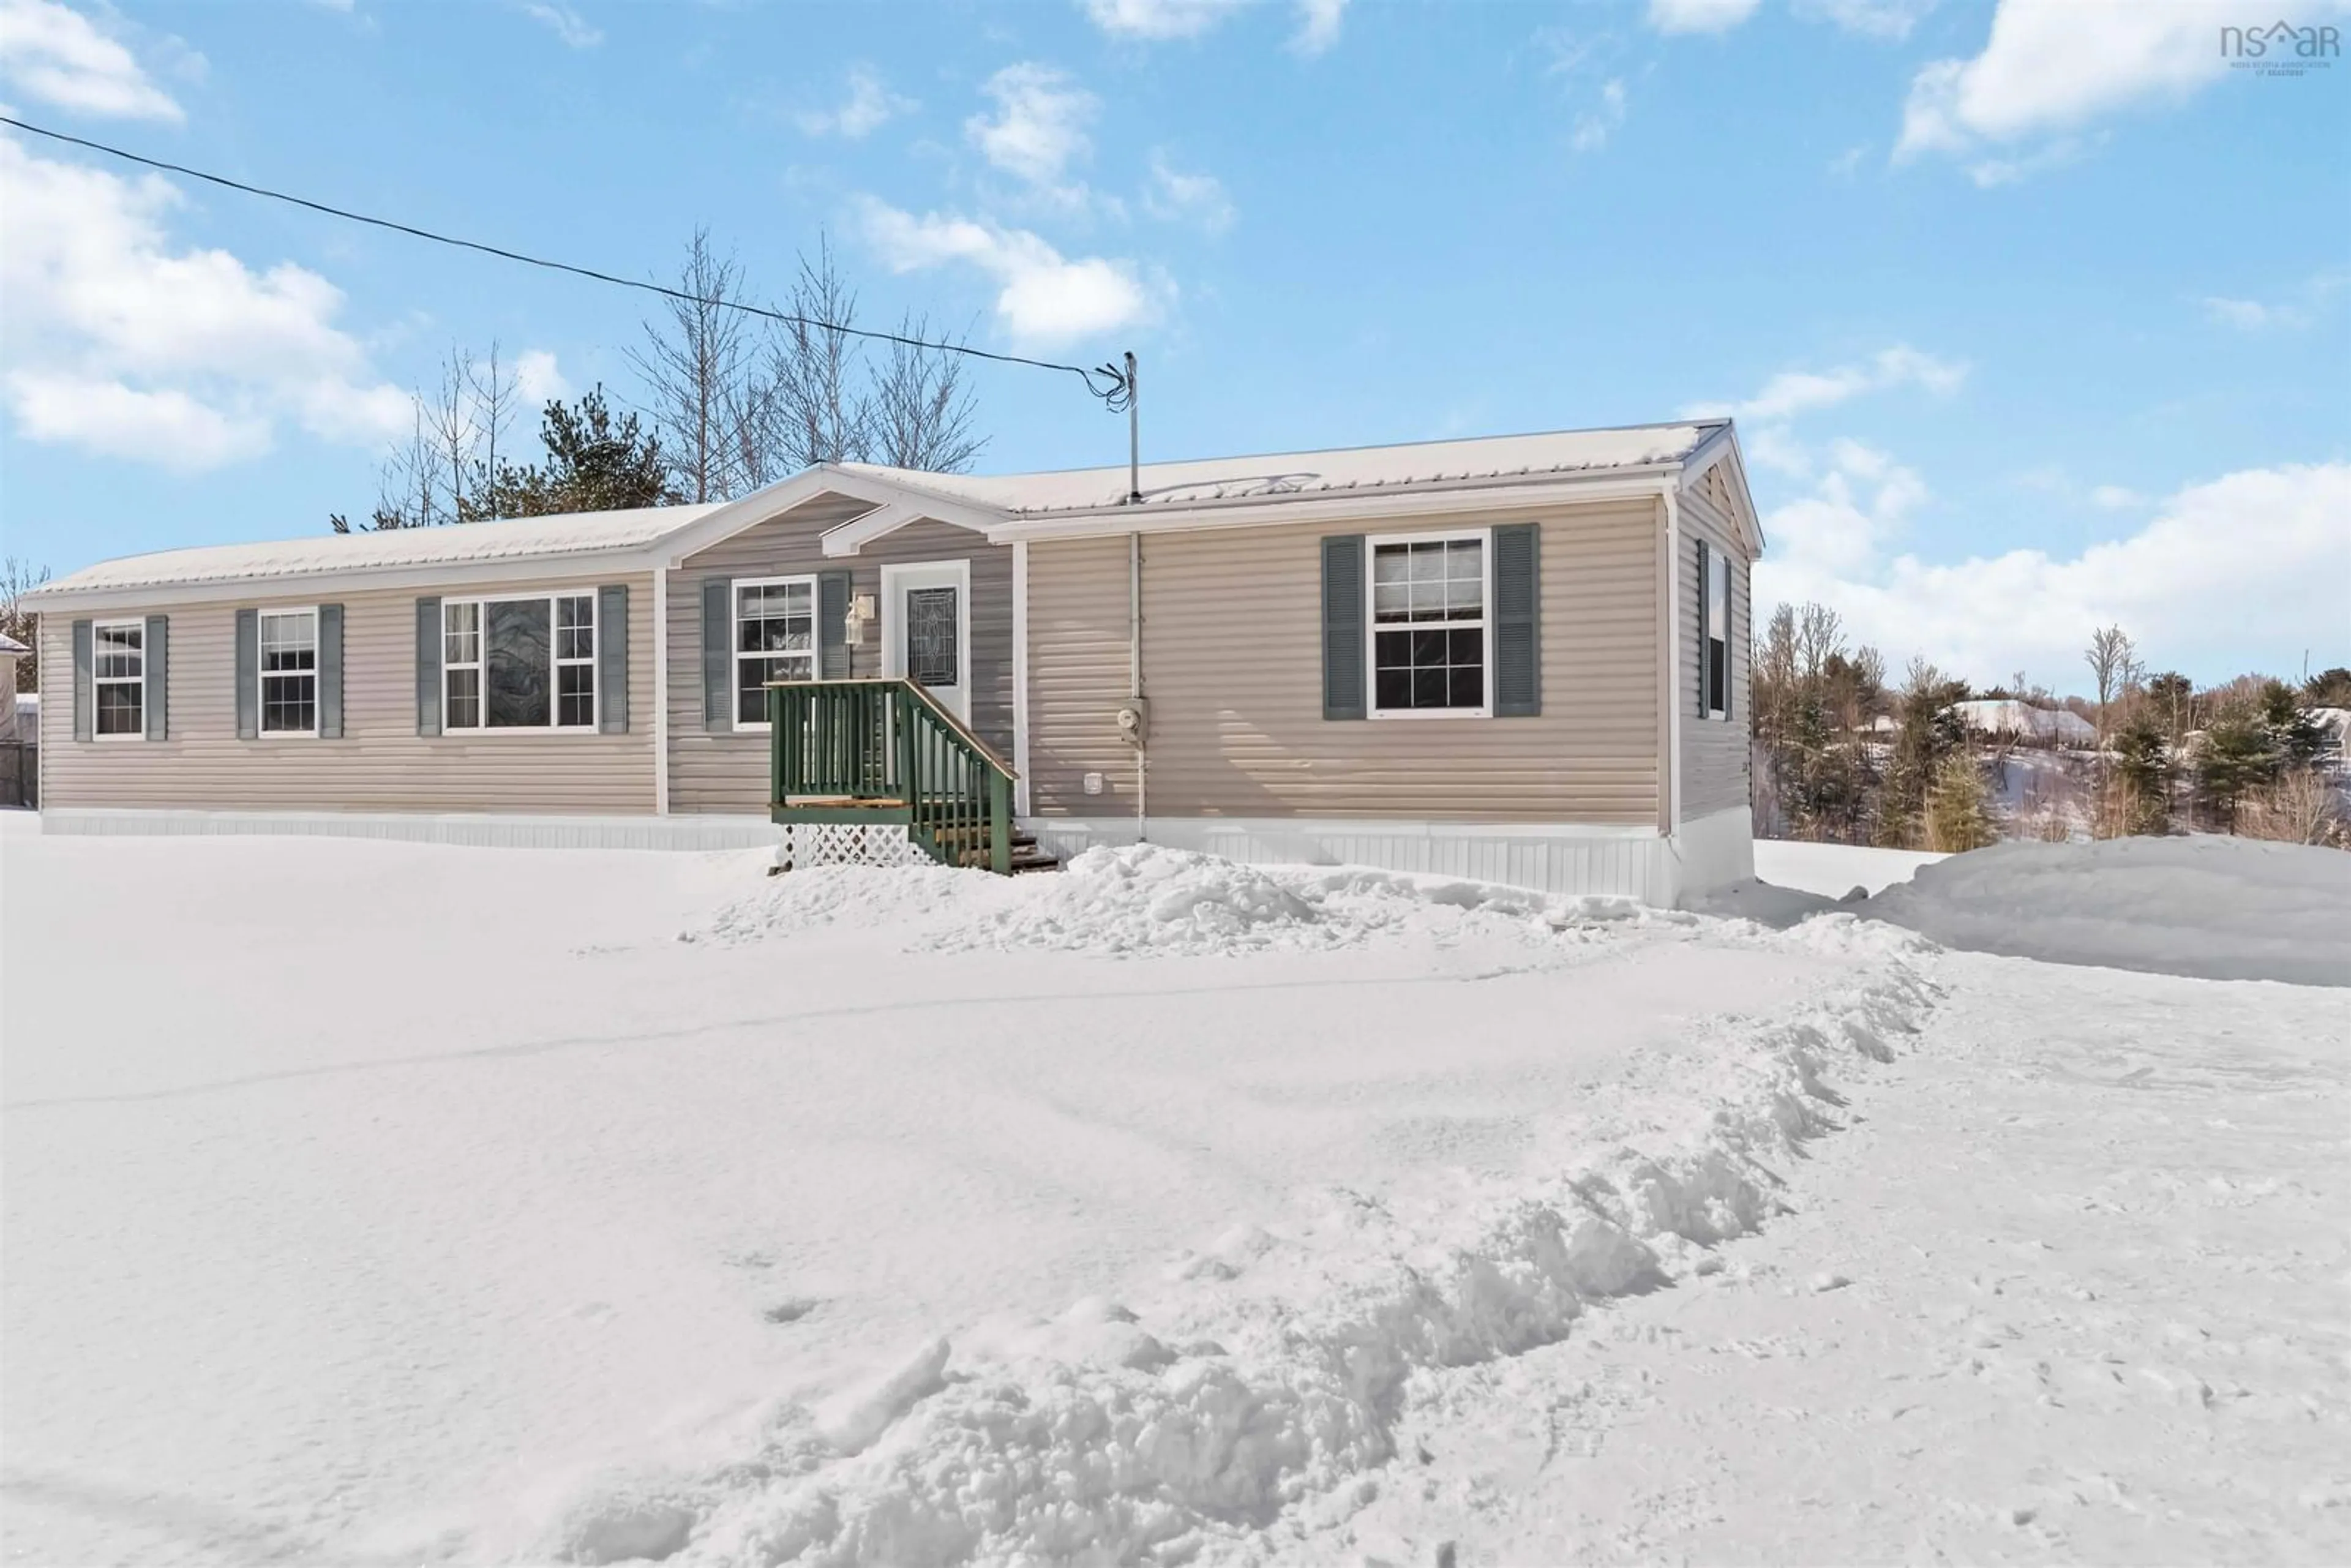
(1121, 398)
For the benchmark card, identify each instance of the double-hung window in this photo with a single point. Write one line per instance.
(519, 664)
(118, 677)
(1717, 633)
(775, 640)
(1431, 643)
(289, 671)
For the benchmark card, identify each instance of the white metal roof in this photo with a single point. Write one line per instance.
(650, 535)
(1277, 474)
(10, 645)
(319, 554)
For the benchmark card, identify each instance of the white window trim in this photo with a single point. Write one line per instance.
(1718, 569)
(1372, 543)
(261, 671)
(96, 631)
(555, 661)
(736, 655)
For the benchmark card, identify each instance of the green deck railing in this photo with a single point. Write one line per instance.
(885, 750)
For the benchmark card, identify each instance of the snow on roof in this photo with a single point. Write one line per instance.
(10, 645)
(2008, 716)
(514, 539)
(1307, 473)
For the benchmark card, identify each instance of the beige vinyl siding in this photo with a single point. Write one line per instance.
(1078, 668)
(1233, 668)
(1715, 756)
(728, 772)
(380, 764)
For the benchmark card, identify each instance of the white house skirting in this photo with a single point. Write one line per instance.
(1633, 862)
(495, 830)
(1716, 851)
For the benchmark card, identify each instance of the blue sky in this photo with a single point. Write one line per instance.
(2033, 316)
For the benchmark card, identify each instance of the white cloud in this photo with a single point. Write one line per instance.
(538, 378)
(1158, 20)
(2251, 314)
(1699, 15)
(1187, 198)
(1889, 19)
(1318, 25)
(1859, 504)
(2116, 497)
(56, 55)
(1595, 125)
(2275, 537)
(112, 339)
(116, 421)
(1791, 393)
(1039, 125)
(1042, 297)
(869, 106)
(2051, 67)
(576, 31)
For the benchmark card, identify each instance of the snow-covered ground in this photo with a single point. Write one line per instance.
(398, 1204)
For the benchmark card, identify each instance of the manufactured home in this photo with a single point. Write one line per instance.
(1521, 658)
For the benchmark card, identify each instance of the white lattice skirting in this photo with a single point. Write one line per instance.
(847, 844)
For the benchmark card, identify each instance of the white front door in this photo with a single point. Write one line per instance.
(926, 630)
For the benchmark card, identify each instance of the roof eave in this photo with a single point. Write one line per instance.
(630, 558)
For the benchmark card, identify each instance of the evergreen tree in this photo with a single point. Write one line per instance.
(2328, 688)
(1932, 730)
(595, 463)
(2295, 734)
(1958, 807)
(2239, 756)
(2173, 698)
(2142, 773)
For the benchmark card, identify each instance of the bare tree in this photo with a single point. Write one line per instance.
(695, 365)
(406, 494)
(921, 410)
(2112, 660)
(1819, 637)
(821, 417)
(493, 389)
(17, 578)
(450, 421)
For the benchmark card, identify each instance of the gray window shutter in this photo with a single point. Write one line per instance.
(330, 672)
(1342, 626)
(428, 667)
(717, 653)
(612, 658)
(157, 670)
(1729, 626)
(85, 683)
(248, 675)
(832, 625)
(1517, 621)
(1705, 664)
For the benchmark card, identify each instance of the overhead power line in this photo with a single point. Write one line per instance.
(1107, 382)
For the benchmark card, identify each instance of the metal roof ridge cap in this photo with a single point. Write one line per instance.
(1496, 481)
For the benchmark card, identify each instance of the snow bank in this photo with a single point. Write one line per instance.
(2217, 908)
(870, 897)
(1834, 870)
(1259, 1384)
(1147, 899)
